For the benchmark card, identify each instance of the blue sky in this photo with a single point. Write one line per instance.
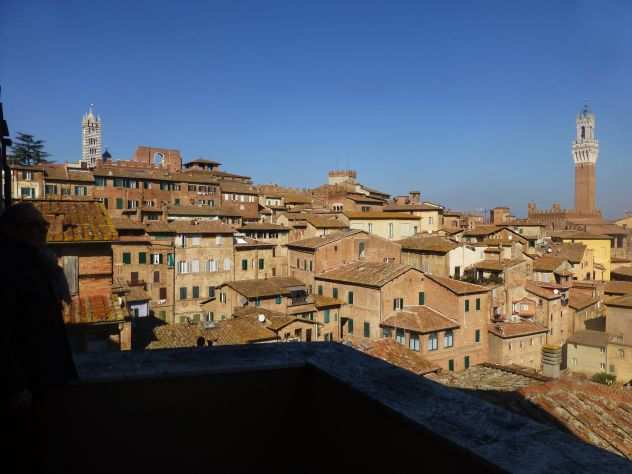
(472, 103)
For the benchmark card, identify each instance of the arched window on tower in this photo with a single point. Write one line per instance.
(583, 132)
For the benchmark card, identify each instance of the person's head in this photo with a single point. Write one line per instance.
(23, 222)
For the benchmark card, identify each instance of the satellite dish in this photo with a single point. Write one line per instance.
(556, 291)
(262, 318)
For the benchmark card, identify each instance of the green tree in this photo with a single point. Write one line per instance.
(27, 150)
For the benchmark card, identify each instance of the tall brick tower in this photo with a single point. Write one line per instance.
(585, 154)
(91, 138)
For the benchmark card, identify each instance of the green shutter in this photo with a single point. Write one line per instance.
(261, 264)
(244, 264)
(196, 292)
(119, 203)
(160, 258)
(142, 257)
(127, 258)
(467, 305)
(326, 316)
(478, 304)
(171, 260)
(367, 330)
(278, 299)
(466, 360)
(350, 297)
(320, 290)
(350, 326)
(477, 336)
(334, 292)
(422, 298)
(451, 365)
(183, 293)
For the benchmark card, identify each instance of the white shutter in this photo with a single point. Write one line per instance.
(195, 266)
(227, 264)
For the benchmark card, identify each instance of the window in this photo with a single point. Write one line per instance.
(386, 332)
(196, 292)
(370, 228)
(350, 326)
(311, 266)
(219, 240)
(326, 316)
(195, 266)
(277, 299)
(222, 298)
(477, 336)
(142, 257)
(183, 267)
(244, 264)
(334, 292)
(195, 240)
(227, 264)
(413, 342)
(466, 362)
(298, 263)
(433, 344)
(162, 293)
(350, 297)
(361, 249)
(28, 175)
(176, 201)
(156, 277)
(467, 306)
(211, 266)
(367, 329)
(156, 258)
(422, 298)
(119, 203)
(398, 304)
(210, 316)
(478, 304)
(399, 336)
(451, 365)
(71, 271)
(320, 290)
(50, 189)
(621, 354)
(448, 338)
(261, 264)
(211, 292)
(183, 293)
(390, 231)
(602, 365)
(127, 258)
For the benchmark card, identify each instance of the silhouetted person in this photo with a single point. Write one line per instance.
(35, 353)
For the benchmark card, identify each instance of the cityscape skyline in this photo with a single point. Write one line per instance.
(419, 93)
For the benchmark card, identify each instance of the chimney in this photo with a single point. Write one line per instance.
(415, 197)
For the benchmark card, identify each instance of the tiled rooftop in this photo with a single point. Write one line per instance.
(397, 354)
(265, 287)
(315, 242)
(510, 329)
(375, 274)
(456, 286)
(421, 319)
(93, 309)
(428, 244)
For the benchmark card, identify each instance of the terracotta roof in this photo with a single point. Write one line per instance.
(316, 242)
(363, 198)
(137, 293)
(264, 226)
(623, 271)
(188, 227)
(524, 328)
(607, 229)
(547, 263)
(624, 301)
(428, 244)
(574, 253)
(203, 161)
(322, 222)
(274, 320)
(481, 231)
(126, 224)
(265, 287)
(297, 199)
(321, 301)
(156, 174)
(537, 289)
(374, 191)
(579, 301)
(173, 336)
(93, 309)
(375, 274)
(76, 221)
(456, 286)
(237, 187)
(240, 331)
(62, 173)
(396, 354)
(620, 260)
(618, 287)
(597, 414)
(373, 215)
(421, 319)
(194, 176)
(578, 235)
(590, 338)
(409, 207)
(495, 265)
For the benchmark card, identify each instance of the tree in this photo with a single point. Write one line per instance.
(604, 378)
(28, 151)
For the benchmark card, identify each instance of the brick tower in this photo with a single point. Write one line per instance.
(91, 139)
(585, 154)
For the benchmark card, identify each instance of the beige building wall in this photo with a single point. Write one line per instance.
(619, 361)
(586, 359)
(601, 254)
(525, 351)
(390, 229)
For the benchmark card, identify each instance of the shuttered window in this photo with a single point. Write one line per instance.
(142, 257)
(127, 258)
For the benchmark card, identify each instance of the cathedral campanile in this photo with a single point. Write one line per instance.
(585, 154)
(91, 134)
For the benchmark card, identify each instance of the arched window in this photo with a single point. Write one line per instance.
(583, 132)
(159, 159)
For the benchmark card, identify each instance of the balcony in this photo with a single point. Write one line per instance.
(325, 407)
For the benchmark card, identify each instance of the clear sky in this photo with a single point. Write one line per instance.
(472, 103)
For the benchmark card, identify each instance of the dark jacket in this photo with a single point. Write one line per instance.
(34, 348)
